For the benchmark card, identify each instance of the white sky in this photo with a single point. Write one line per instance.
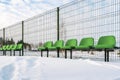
(12, 11)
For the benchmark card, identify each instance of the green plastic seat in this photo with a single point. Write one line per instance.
(46, 45)
(58, 45)
(1, 49)
(14, 47)
(4, 47)
(70, 44)
(106, 42)
(19, 47)
(10, 47)
(7, 47)
(41, 48)
(86, 43)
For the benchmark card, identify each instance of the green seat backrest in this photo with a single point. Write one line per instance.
(10, 47)
(1, 48)
(107, 40)
(19, 46)
(7, 47)
(48, 44)
(59, 43)
(14, 46)
(71, 43)
(87, 42)
(4, 47)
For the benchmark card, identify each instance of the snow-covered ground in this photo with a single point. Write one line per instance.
(37, 68)
(97, 56)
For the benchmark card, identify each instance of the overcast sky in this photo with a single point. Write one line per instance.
(12, 11)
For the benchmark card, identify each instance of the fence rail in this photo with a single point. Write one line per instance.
(77, 19)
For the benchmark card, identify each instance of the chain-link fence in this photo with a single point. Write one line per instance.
(77, 19)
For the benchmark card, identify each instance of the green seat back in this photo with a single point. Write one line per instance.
(1, 48)
(14, 47)
(7, 47)
(4, 47)
(19, 46)
(48, 44)
(107, 40)
(59, 44)
(10, 47)
(71, 43)
(87, 42)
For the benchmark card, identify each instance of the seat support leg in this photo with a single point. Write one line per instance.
(14, 53)
(19, 53)
(5, 53)
(10, 53)
(58, 53)
(41, 53)
(47, 53)
(105, 55)
(65, 54)
(71, 54)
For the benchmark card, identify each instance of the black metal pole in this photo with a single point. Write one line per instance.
(71, 54)
(58, 53)
(4, 52)
(65, 54)
(47, 53)
(10, 53)
(58, 25)
(4, 40)
(19, 53)
(105, 55)
(3, 36)
(23, 38)
(14, 53)
(58, 28)
(41, 53)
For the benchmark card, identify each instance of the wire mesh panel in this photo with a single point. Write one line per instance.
(90, 18)
(39, 29)
(78, 19)
(1, 37)
(13, 34)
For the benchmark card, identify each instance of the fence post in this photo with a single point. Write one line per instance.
(23, 38)
(4, 53)
(3, 36)
(58, 25)
(58, 30)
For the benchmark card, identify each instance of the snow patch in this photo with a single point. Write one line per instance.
(36, 68)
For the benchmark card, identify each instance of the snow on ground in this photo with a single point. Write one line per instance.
(37, 68)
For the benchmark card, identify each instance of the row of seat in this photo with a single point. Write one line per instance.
(13, 47)
(106, 43)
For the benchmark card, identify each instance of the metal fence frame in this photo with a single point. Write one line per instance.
(58, 9)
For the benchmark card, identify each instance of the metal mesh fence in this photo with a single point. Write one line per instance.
(1, 37)
(77, 19)
(13, 34)
(90, 18)
(40, 29)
